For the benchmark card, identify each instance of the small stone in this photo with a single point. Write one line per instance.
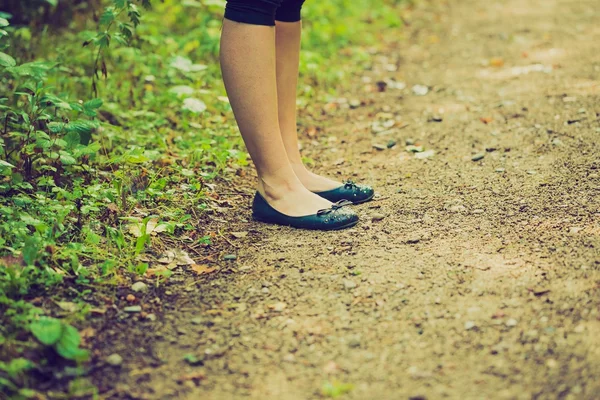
(436, 118)
(478, 156)
(425, 154)
(379, 147)
(575, 229)
(438, 300)
(511, 322)
(133, 309)
(114, 359)
(551, 363)
(139, 287)
(354, 342)
(278, 307)
(265, 290)
(391, 144)
(579, 329)
(478, 211)
(130, 298)
(151, 317)
(230, 257)
(348, 284)
(469, 325)
(557, 142)
(457, 208)
(197, 321)
(409, 142)
(354, 103)
(420, 90)
(411, 148)
(377, 217)
(500, 170)
(289, 358)
(531, 172)
(413, 240)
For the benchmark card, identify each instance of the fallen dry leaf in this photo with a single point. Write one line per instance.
(496, 62)
(239, 235)
(486, 120)
(201, 269)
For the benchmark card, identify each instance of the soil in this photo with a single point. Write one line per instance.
(475, 273)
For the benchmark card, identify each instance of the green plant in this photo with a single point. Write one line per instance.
(60, 336)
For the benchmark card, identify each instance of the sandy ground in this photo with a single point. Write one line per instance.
(465, 279)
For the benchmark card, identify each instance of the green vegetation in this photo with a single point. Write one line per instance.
(111, 127)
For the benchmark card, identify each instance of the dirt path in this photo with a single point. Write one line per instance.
(482, 280)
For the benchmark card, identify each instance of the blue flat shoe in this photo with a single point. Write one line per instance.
(349, 191)
(337, 217)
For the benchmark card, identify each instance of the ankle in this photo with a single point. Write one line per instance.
(274, 188)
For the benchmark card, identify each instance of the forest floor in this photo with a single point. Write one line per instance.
(475, 273)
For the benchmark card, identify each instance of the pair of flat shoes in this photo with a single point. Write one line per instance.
(339, 216)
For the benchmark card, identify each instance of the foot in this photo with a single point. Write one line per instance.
(314, 182)
(338, 216)
(292, 198)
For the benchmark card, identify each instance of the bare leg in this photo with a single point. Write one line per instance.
(248, 65)
(288, 57)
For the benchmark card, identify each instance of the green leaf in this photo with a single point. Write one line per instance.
(5, 165)
(68, 345)
(4, 22)
(56, 127)
(66, 158)
(73, 139)
(6, 60)
(107, 16)
(30, 250)
(83, 128)
(93, 104)
(47, 330)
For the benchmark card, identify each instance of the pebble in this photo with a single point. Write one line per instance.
(151, 317)
(139, 287)
(413, 240)
(114, 359)
(133, 309)
(354, 103)
(354, 342)
(478, 156)
(377, 216)
(469, 325)
(511, 322)
(531, 172)
(425, 154)
(196, 321)
(265, 290)
(478, 211)
(457, 208)
(391, 144)
(130, 298)
(379, 147)
(579, 329)
(420, 90)
(500, 170)
(230, 257)
(409, 142)
(348, 284)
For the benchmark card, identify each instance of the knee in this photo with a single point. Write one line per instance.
(254, 12)
(289, 11)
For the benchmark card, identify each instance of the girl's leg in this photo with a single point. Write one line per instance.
(288, 33)
(248, 65)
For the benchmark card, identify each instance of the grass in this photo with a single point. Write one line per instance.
(137, 154)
